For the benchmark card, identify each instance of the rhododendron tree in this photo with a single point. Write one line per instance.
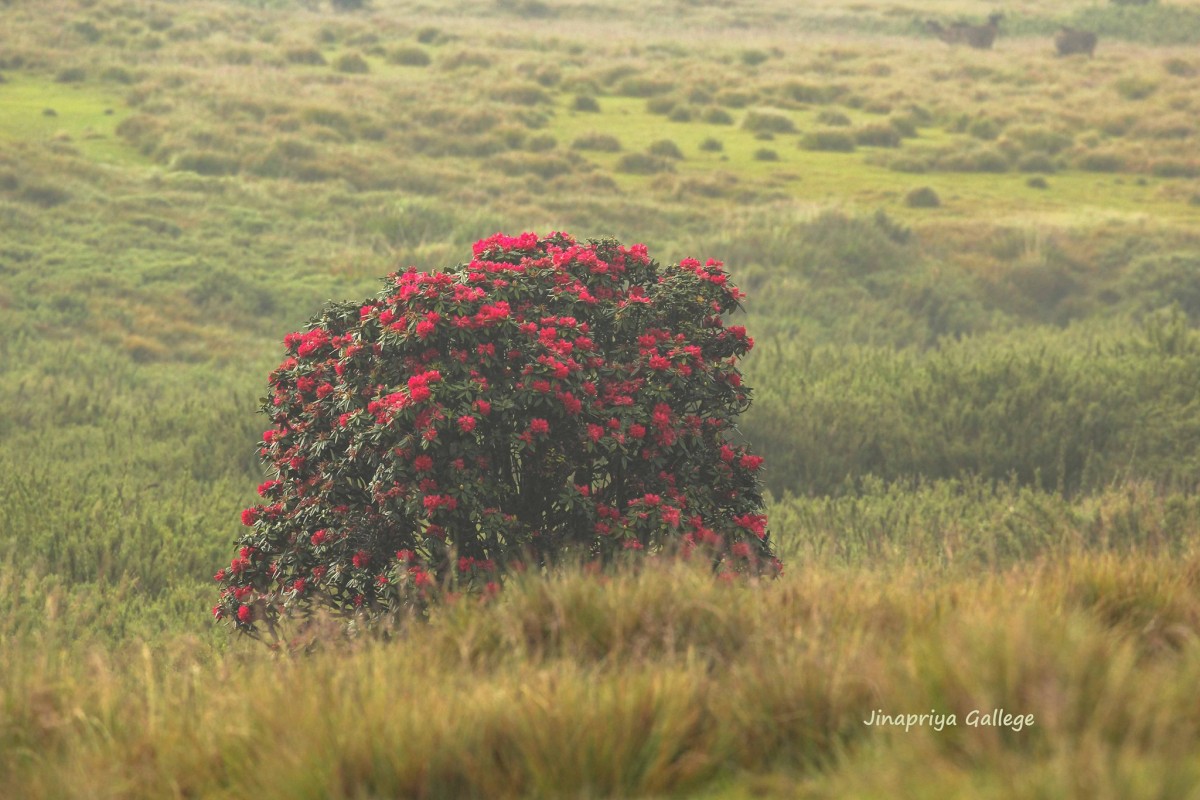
(548, 398)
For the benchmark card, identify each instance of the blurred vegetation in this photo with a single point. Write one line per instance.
(987, 394)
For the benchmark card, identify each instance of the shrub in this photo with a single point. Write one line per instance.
(733, 98)
(981, 159)
(430, 35)
(765, 154)
(522, 94)
(603, 142)
(922, 197)
(877, 136)
(1036, 162)
(548, 400)
(545, 167)
(642, 86)
(71, 75)
(711, 145)
(1172, 168)
(206, 163)
(643, 164)
(984, 128)
(409, 55)
(832, 141)
(715, 115)
(117, 75)
(768, 122)
(905, 125)
(660, 105)
(305, 55)
(1037, 182)
(541, 143)
(754, 57)
(1135, 87)
(807, 93)
(1179, 67)
(585, 103)
(1101, 161)
(352, 63)
(665, 148)
(43, 195)
(680, 114)
(832, 118)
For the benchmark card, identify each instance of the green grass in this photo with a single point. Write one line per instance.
(85, 116)
(979, 419)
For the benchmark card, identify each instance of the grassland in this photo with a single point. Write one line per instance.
(979, 416)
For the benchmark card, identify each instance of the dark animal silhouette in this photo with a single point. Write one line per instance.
(980, 37)
(1069, 41)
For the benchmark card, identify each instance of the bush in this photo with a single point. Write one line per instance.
(351, 63)
(752, 58)
(546, 401)
(1172, 168)
(832, 118)
(643, 164)
(665, 148)
(71, 75)
(641, 86)
(522, 94)
(806, 93)
(680, 114)
(715, 115)
(1036, 162)
(832, 141)
(984, 128)
(1135, 87)
(409, 55)
(305, 55)
(922, 197)
(765, 154)
(877, 136)
(767, 122)
(711, 145)
(1101, 161)
(1180, 68)
(733, 98)
(603, 142)
(585, 103)
(660, 105)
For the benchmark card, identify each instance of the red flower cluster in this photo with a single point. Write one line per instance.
(546, 396)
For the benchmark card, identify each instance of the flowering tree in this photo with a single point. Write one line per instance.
(547, 398)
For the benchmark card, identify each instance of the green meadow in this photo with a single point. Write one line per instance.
(972, 282)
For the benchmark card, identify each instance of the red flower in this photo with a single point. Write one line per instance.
(751, 462)
(244, 614)
(539, 427)
(423, 463)
(466, 423)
